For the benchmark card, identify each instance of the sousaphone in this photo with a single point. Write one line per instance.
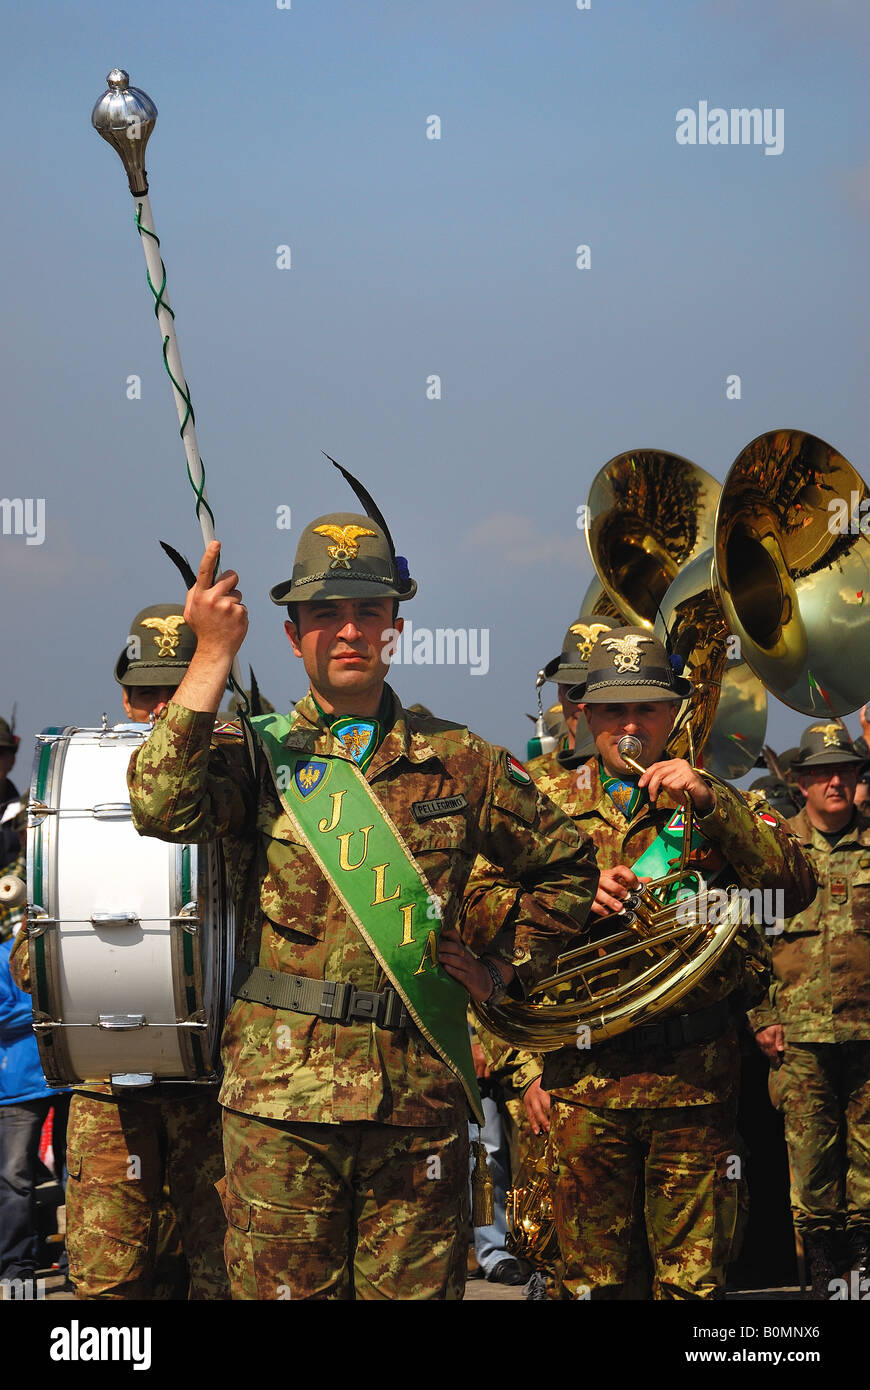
(786, 575)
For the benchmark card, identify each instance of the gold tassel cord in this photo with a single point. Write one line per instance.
(482, 1195)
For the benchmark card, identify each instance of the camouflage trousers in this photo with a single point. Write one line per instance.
(824, 1091)
(518, 1130)
(344, 1211)
(121, 1153)
(686, 1164)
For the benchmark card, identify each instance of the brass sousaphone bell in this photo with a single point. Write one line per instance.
(792, 564)
(650, 521)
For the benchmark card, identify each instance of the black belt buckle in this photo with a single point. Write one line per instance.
(365, 1004)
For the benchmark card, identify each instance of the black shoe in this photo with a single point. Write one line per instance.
(509, 1271)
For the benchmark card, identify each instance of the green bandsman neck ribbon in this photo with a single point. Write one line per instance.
(383, 890)
(663, 855)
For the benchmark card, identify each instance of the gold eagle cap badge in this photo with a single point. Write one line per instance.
(832, 735)
(626, 651)
(588, 634)
(346, 547)
(166, 634)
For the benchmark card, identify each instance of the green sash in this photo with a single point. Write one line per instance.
(383, 890)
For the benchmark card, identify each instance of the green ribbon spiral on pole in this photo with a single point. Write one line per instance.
(198, 489)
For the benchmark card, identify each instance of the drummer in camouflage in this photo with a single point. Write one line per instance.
(143, 1164)
(348, 1071)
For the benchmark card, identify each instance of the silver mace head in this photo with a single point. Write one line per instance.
(125, 116)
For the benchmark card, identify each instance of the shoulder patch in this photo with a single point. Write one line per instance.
(767, 818)
(226, 730)
(516, 772)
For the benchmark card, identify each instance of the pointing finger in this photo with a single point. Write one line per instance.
(207, 565)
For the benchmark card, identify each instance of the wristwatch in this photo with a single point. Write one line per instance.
(499, 988)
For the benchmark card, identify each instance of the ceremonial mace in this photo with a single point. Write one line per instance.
(125, 117)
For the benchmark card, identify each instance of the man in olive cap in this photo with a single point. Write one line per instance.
(655, 1106)
(815, 1027)
(567, 670)
(348, 1067)
(125, 1149)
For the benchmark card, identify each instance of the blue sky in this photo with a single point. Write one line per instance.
(410, 257)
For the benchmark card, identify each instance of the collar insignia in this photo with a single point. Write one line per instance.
(356, 736)
(299, 742)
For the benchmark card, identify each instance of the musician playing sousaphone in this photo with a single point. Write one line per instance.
(657, 1103)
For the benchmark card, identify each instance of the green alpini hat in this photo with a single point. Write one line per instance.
(570, 665)
(346, 555)
(823, 745)
(629, 665)
(159, 648)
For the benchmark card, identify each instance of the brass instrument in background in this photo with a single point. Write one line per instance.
(784, 572)
(793, 569)
(650, 526)
(648, 514)
(637, 963)
(531, 1233)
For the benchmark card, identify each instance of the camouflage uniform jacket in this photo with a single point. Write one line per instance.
(296, 1067)
(821, 961)
(758, 855)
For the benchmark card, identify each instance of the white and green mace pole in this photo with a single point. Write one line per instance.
(125, 117)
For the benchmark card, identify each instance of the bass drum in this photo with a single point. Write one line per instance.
(131, 939)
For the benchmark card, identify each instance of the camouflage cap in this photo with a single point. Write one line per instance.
(159, 648)
(628, 665)
(570, 665)
(823, 745)
(7, 738)
(344, 555)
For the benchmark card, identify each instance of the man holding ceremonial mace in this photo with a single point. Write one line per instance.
(348, 1065)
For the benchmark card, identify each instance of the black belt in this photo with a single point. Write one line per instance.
(674, 1033)
(334, 1000)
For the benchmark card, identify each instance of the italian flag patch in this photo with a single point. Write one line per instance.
(768, 819)
(516, 772)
